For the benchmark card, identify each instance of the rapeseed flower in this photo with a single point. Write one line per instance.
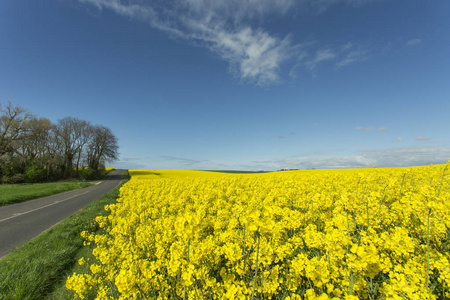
(325, 234)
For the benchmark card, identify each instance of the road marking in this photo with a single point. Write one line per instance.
(41, 207)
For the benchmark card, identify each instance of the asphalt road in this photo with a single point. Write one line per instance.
(21, 222)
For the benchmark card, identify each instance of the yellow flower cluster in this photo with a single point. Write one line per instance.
(325, 234)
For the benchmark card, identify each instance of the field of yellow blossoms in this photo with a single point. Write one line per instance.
(319, 234)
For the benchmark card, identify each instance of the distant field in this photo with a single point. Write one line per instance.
(236, 172)
(14, 193)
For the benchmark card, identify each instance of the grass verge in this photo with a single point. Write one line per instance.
(38, 268)
(15, 193)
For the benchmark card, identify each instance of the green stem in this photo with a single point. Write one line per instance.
(185, 290)
(350, 276)
(442, 179)
(401, 188)
(381, 202)
(428, 250)
(367, 209)
(256, 266)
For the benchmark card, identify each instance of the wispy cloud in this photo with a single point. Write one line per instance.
(228, 29)
(223, 27)
(184, 161)
(393, 157)
(413, 42)
(364, 128)
(130, 159)
(323, 5)
(321, 56)
(339, 56)
(254, 56)
(422, 138)
(347, 46)
(384, 128)
(286, 136)
(123, 164)
(399, 139)
(352, 56)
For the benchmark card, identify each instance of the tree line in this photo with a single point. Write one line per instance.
(33, 149)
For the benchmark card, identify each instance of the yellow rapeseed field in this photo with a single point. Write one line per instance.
(320, 234)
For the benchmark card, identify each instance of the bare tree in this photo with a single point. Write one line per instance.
(29, 145)
(84, 131)
(35, 138)
(69, 132)
(102, 147)
(53, 157)
(12, 126)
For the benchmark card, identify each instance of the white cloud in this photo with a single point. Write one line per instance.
(384, 128)
(352, 56)
(422, 138)
(382, 158)
(125, 165)
(321, 55)
(393, 157)
(346, 54)
(253, 55)
(235, 10)
(326, 54)
(360, 2)
(364, 128)
(413, 42)
(184, 161)
(221, 26)
(323, 5)
(399, 139)
(228, 29)
(127, 159)
(347, 46)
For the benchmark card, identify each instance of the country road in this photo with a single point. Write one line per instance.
(21, 222)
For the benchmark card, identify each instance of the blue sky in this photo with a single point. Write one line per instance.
(239, 84)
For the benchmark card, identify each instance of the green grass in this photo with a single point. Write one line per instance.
(60, 292)
(38, 269)
(15, 193)
(106, 174)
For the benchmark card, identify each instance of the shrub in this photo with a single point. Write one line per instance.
(34, 173)
(88, 174)
(16, 178)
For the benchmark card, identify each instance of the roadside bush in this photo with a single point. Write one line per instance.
(7, 168)
(34, 173)
(16, 178)
(88, 174)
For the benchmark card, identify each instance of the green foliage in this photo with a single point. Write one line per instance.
(89, 174)
(34, 173)
(13, 179)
